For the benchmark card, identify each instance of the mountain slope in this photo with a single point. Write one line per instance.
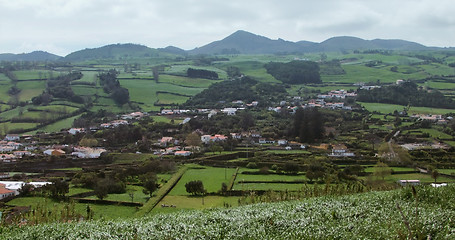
(249, 43)
(246, 43)
(113, 51)
(33, 56)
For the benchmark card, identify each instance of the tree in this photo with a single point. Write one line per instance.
(195, 187)
(382, 170)
(150, 186)
(26, 189)
(434, 175)
(58, 188)
(101, 191)
(193, 139)
(88, 141)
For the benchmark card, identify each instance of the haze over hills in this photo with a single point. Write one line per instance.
(240, 42)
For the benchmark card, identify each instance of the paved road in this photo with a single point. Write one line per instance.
(393, 154)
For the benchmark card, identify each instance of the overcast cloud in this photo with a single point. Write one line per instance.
(64, 26)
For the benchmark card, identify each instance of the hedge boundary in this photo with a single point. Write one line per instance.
(162, 192)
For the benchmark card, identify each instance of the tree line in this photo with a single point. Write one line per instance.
(295, 72)
(111, 85)
(407, 93)
(201, 73)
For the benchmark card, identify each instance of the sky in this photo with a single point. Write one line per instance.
(65, 26)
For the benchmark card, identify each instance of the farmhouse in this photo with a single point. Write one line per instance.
(74, 131)
(340, 150)
(216, 138)
(7, 158)
(182, 153)
(229, 111)
(12, 137)
(4, 192)
(54, 152)
(409, 182)
(86, 152)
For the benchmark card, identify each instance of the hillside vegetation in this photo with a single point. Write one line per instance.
(400, 214)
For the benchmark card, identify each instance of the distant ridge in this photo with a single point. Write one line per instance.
(246, 43)
(33, 56)
(239, 42)
(249, 43)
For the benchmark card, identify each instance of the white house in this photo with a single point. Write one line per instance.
(12, 137)
(282, 142)
(340, 150)
(409, 182)
(74, 131)
(182, 153)
(86, 152)
(229, 111)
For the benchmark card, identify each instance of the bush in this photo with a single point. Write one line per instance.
(252, 165)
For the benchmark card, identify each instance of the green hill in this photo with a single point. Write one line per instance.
(33, 56)
(374, 215)
(114, 51)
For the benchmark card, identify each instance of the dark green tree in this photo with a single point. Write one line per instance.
(195, 187)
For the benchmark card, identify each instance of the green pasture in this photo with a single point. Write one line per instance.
(395, 169)
(450, 143)
(34, 74)
(4, 78)
(268, 186)
(100, 211)
(193, 202)
(131, 157)
(390, 108)
(57, 126)
(138, 195)
(267, 177)
(166, 119)
(84, 90)
(446, 171)
(186, 82)
(440, 84)
(360, 73)
(424, 178)
(169, 98)
(77, 190)
(144, 91)
(87, 76)
(182, 70)
(434, 133)
(30, 89)
(253, 68)
(16, 126)
(7, 115)
(211, 177)
(437, 69)
(57, 108)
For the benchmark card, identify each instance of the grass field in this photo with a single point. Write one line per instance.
(194, 202)
(138, 196)
(84, 90)
(144, 91)
(360, 73)
(30, 89)
(57, 126)
(390, 108)
(100, 211)
(187, 82)
(34, 74)
(169, 98)
(211, 177)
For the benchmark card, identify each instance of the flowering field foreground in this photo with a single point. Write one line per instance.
(376, 215)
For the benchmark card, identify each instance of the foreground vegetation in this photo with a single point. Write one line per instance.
(400, 214)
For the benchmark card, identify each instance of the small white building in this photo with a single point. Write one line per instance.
(229, 111)
(74, 131)
(12, 137)
(409, 182)
(182, 153)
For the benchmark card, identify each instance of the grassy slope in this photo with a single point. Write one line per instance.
(372, 215)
